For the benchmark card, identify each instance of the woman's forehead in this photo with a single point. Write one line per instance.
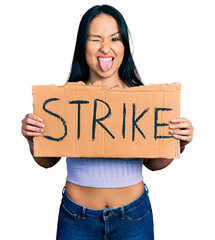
(103, 24)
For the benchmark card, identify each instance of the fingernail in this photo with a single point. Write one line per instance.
(174, 120)
(172, 132)
(173, 126)
(41, 130)
(42, 125)
(38, 134)
(40, 119)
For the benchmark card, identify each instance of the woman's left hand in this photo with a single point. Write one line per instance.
(182, 129)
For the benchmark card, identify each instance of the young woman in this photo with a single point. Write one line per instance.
(105, 198)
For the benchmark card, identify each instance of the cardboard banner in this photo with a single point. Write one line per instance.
(86, 121)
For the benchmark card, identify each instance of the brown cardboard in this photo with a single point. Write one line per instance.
(131, 114)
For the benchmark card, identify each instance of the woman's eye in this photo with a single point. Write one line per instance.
(115, 39)
(94, 39)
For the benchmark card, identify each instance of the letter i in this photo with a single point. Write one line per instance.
(123, 122)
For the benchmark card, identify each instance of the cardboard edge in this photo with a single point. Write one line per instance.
(97, 85)
(34, 143)
(177, 149)
(67, 84)
(34, 147)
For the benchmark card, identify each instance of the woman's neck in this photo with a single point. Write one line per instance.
(107, 83)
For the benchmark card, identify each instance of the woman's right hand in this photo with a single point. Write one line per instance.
(32, 126)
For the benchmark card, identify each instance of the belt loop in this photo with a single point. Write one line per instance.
(63, 191)
(83, 212)
(146, 188)
(122, 212)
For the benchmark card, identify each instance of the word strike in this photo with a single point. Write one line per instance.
(99, 121)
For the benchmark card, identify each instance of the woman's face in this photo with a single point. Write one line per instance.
(104, 47)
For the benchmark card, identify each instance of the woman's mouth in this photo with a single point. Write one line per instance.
(105, 63)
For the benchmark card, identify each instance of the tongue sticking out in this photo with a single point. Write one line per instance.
(105, 64)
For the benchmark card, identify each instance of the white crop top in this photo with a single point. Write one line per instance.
(104, 172)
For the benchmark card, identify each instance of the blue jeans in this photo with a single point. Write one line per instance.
(133, 221)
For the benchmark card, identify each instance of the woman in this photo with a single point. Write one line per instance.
(105, 198)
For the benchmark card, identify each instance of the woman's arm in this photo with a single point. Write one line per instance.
(156, 163)
(181, 129)
(32, 126)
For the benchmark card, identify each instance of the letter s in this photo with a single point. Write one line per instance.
(57, 116)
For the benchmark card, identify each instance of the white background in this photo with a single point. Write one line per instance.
(173, 42)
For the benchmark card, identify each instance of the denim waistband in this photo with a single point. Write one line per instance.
(84, 211)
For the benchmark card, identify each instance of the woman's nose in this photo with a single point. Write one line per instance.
(105, 48)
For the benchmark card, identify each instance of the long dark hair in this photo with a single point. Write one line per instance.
(80, 70)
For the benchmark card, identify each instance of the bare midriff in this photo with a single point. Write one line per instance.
(100, 198)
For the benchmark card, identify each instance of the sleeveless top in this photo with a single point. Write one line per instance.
(104, 172)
